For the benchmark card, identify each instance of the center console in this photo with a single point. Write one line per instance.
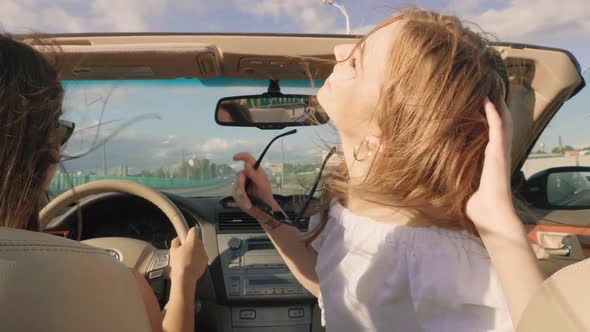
(254, 270)
(265, 294)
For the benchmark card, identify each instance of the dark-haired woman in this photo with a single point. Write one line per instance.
(31, 136)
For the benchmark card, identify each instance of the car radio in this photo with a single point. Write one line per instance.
(254, 269)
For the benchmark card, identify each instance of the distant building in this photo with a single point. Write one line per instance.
(132, 171)
(121, 170)
(278, 168)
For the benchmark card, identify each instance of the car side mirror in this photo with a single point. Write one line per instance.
(560, 188)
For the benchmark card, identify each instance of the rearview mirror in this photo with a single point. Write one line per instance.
(270, 112)
(566, 188)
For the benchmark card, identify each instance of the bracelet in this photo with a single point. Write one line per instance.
(271, 223)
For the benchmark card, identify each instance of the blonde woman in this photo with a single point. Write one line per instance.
(398, 243)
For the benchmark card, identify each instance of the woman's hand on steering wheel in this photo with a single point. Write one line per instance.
(189, 260)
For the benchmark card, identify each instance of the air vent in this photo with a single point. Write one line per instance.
(237, 222)
(240, 222)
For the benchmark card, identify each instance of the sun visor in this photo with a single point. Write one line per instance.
(138, 61)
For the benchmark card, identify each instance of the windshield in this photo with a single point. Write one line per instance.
(162, 133)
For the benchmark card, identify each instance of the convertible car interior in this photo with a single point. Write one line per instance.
(248, 286)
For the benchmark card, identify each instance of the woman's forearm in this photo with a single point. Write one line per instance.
(514, 261)
(180, 310)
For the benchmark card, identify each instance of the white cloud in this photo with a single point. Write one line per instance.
(361, 30)
(128, 15)
(51, 15)
(260, 8)
(89, 16)
(463, 6)
(222, 145)
(215, 149)
(14, 13)
(311, 15)
(535, 20)
(315, 21)
(148, 150)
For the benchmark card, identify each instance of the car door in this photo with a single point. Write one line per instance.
(552, 156)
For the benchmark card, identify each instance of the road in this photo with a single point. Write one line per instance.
(222, 189)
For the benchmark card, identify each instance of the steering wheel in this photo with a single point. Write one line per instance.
(138, 255)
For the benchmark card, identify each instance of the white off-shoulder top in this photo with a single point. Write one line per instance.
(378, 276)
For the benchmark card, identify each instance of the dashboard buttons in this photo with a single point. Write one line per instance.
(234, 243)
(155, 274)
(296, 313)
(161, 260)
(248, 314)
(234, 286)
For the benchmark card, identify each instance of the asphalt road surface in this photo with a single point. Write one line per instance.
(221, 190)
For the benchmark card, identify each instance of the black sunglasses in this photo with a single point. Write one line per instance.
(66, 130)
(280, 215)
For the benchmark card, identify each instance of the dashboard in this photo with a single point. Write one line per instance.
(127, 216)
(123, 215)
(247, 278)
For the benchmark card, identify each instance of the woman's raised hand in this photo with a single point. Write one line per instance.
(259, 186)
(494, 194)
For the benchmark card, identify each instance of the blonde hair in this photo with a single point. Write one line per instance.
(431, 117)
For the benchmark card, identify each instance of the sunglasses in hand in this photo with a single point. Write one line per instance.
(280, 215)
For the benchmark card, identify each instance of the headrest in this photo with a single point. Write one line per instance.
(48, 283)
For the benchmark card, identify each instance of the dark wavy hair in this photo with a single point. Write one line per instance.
(30, 105)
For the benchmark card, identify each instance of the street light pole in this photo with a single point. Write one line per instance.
(104, 158)
(282, 165)
(342, 9)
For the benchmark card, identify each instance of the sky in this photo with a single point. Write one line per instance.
(563, 24)
(152, 123)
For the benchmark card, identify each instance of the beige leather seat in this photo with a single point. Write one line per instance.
(562, 304)
(49, 283)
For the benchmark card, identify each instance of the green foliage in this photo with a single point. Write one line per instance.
(563, 150)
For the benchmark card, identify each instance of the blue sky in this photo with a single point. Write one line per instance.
(157, 123)
(563, 24)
